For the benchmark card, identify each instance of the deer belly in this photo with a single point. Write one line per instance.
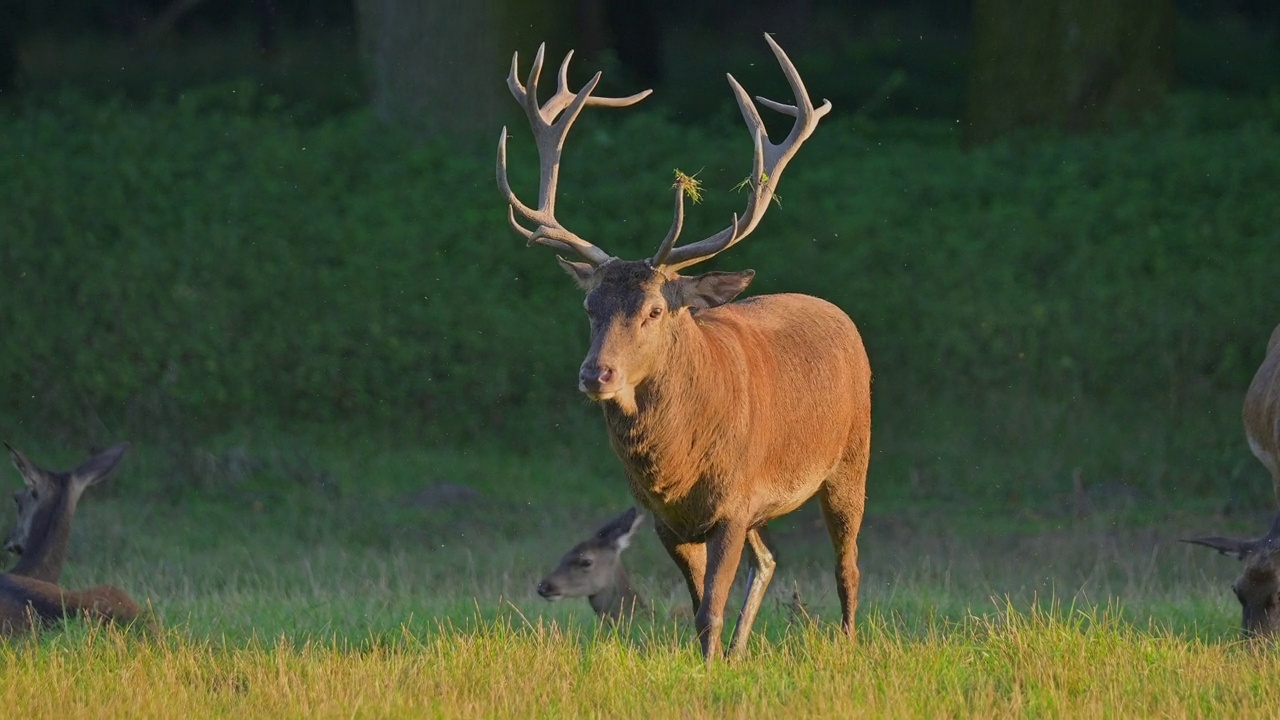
(776, 507)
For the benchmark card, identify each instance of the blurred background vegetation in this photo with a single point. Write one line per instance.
(1055, 224)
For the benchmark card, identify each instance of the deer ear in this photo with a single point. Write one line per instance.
(582, 273)
(32, 474)
(1227, 546)
(99, 467)
(707, 290)
(622, 529)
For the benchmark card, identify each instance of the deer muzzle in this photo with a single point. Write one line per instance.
(549, 591)
(599, 382)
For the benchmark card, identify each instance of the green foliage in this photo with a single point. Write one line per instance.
(217, 261)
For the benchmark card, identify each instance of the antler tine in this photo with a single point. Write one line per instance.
(504, 185)
(768, 162)
(677, 224)
(550, 124)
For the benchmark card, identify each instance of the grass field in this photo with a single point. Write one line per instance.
(326, 576)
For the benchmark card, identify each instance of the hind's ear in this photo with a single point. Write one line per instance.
(99, 467)
(32, 474)
(622, 529)
(1227, 546)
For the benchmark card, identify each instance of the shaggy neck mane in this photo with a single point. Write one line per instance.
(681, 410)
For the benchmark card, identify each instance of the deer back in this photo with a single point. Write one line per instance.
(27, 604)
(1261, 412)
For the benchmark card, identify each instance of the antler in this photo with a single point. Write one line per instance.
(549, 132)
(767, 165)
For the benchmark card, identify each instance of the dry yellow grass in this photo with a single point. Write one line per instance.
(1007, 664)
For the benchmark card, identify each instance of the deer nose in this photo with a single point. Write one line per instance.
(595, 378)
(545, 589)
(13, 547)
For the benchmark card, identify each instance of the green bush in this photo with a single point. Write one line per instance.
(214, 258)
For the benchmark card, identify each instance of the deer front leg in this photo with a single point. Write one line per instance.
(690, 558)
(758, 576)
(724, 551)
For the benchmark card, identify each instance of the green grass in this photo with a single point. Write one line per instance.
(1007, 663)
(320, 577)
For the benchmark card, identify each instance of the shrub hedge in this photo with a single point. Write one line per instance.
(219, 258)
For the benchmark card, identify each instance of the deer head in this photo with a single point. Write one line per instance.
(594, 566)
(45, 506)
(632, 304)
(1258, 587)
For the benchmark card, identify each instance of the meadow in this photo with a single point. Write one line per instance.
(314, 585)
(358, 445)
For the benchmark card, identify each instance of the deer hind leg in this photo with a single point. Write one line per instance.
(759, 573)
(690, 558)
(843, 498)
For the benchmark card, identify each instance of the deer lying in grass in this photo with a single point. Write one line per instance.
(30, 596)
(593, 569)
(1258, 587)
(724, 414)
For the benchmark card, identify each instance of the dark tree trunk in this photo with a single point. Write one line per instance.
(11, 20)
(1078, 65)
(631, 28)
(439, 66)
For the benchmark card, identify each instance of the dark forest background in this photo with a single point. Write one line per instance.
(1055, 223)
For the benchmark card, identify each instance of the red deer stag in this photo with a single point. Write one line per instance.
(1258, 587)
(725, 414)
(593, 569)
(29, 593)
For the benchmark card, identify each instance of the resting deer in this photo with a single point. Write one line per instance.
(724, 414)
(1258, 587)
(593, 569)
(29, 593)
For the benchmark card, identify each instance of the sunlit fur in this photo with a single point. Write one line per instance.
(730, 416)
(30, 596)
(1258, 586)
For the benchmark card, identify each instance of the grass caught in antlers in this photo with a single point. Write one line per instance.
(690, 185)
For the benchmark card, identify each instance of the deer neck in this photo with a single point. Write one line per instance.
(46, 550)
(619, 600)
(679, 412)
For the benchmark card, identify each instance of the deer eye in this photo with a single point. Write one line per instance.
(583, 562)
(656, 312)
